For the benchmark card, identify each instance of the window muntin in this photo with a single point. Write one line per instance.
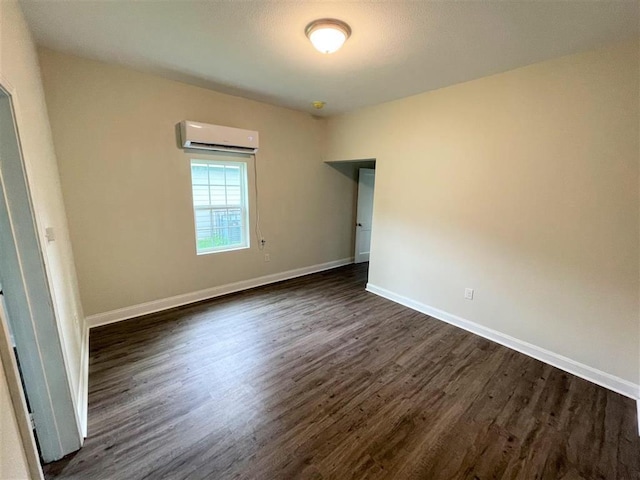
(220, 204)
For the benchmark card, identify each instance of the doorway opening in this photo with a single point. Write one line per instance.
(362, 172)
(364, 214)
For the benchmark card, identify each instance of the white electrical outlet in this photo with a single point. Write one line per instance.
(267, 257)
(468, 293)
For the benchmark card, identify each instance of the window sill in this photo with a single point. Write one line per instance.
(222, 250)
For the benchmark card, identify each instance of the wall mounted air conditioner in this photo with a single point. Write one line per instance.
(204, 136)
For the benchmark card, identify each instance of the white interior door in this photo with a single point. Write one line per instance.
(366, 183)
(28, 303)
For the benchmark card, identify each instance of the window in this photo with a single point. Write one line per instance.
(220, 205)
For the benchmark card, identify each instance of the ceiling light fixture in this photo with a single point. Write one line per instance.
(327, 34)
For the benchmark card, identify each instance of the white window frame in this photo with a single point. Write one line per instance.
(244, 207)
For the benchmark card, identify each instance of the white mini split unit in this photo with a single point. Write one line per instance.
(203, 136)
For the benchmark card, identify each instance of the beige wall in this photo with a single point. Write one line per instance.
(13, 462)
(127, 187)
(523, 186)
(20, 73)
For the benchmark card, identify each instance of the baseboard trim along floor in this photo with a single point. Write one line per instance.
(581, 370)
(206, 294)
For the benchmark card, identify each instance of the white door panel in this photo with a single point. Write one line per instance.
(366, 184)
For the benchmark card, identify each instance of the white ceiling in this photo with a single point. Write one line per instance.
(257, 49)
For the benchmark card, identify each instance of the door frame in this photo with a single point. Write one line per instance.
(30, 311)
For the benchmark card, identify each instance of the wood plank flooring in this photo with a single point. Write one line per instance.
(315, 378)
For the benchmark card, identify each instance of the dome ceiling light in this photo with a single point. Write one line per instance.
(327, 34)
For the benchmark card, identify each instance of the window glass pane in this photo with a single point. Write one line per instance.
(235, 235)
(218, 196)
(205, 243)
(203, 219)
(203, 229)
(216, 174)
(234, 196)
(235, 216)
(199, 174)
(233, 175)
(219, 218)
(220, 237)
(200, 195)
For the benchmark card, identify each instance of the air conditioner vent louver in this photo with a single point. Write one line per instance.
(203, 136)
(222, 148)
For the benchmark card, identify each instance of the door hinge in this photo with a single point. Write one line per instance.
(33, 423)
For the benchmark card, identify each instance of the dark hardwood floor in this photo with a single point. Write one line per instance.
(315, 378)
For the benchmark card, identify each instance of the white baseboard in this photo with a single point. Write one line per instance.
(581, 370)
(83, 387)
(179, 300)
